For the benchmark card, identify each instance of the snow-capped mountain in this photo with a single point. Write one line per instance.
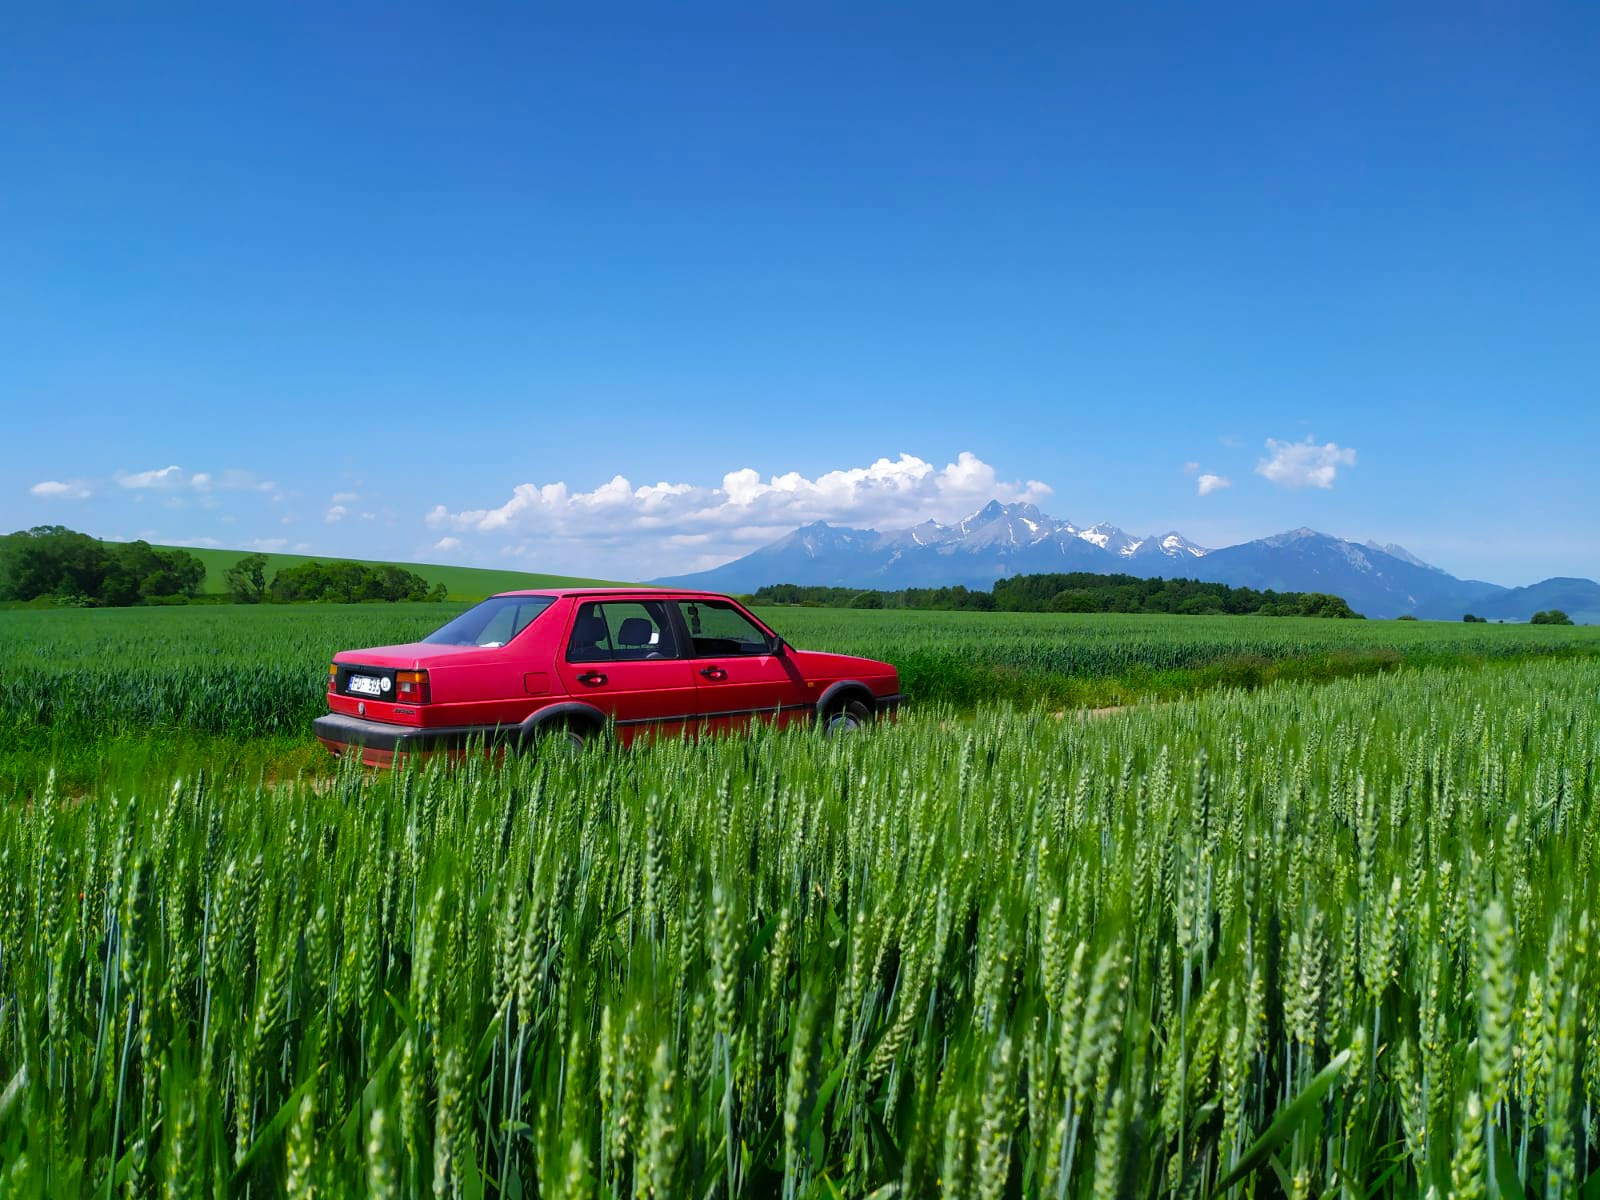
(996, 540)
(1017, 539)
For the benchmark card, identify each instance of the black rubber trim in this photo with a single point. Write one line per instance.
(379, 735)
(890, 702)
(562, 711)
(852, 688)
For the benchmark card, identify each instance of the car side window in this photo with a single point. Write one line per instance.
(718, 628)
(621, 631)
(509, 621)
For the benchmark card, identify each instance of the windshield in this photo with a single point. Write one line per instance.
(493, 623)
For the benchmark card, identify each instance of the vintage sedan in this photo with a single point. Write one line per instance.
(578, 663)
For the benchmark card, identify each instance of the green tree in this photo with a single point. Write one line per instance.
(1553, 616)
(247, 579)
(1074, 600)
(53, 561)
(346, 583)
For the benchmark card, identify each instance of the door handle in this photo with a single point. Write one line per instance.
(591, 678)
(714, 673)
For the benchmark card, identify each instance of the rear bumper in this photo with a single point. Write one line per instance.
(379, 742)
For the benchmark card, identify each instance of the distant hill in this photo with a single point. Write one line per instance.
(462, 583)
(1578, 598)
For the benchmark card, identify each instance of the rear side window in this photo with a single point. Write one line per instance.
(493, 623)
(621, 631)
(719, 628)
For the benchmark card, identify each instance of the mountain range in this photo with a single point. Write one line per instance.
(1017, 539)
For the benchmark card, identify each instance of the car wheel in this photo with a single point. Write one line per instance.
(851, 717)
(563, 739)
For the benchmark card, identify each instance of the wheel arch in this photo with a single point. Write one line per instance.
(573, 712)
(845, 690)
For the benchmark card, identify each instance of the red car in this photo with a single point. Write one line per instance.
(570, 661)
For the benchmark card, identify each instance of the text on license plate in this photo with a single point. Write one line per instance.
(366, 685)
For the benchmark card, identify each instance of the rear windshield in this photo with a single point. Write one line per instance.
(493, 623)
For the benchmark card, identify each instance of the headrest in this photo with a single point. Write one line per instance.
(635, 631)
(591, 630)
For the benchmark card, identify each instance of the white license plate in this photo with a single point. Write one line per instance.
(365, 685)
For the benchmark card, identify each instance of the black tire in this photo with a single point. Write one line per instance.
(850, 717)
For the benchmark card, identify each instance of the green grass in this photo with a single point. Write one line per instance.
(462, 583)
(1333, 940)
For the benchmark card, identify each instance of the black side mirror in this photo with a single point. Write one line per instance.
(779, 650)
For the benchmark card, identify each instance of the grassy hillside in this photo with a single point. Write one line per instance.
(463, 583)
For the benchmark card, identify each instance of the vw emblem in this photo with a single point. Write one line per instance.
(361, 708)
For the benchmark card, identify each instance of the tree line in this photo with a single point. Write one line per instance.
(55, 564)
(335, 582)
(1078, 591)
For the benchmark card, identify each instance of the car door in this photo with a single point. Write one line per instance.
(623, 657)
(737, 674)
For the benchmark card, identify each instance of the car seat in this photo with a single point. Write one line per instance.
(589, 639)
(637, 639)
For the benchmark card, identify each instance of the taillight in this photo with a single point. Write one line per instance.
(333, 677)
(411, 687)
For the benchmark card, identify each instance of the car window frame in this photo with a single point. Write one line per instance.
(671, 625)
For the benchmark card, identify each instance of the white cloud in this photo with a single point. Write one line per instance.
(344, 498)
(335, 514)
(656, 520)
(1189, 468)
(1207, 484)
(447, 543)
(55, 489)
(268, 545)
(166, 477)
(887, 491)
(1304, 464)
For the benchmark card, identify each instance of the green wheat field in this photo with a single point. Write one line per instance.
(1312, 914)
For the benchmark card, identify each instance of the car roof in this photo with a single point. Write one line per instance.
(639, 589)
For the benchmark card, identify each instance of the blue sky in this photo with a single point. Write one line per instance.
(423, 284)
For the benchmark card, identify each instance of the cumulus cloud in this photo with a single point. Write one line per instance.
(165, 477)
(746, 509)
(56, 489)
(1189, 468)
(335, 514)
(344, 498)
(1207, 484)
(1304, 464)
(888, 490)
(447, 544)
